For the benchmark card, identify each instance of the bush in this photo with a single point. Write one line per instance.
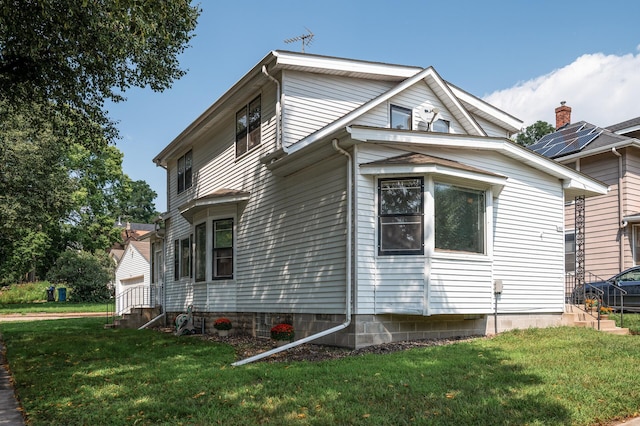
(24, 293)
(87, 274)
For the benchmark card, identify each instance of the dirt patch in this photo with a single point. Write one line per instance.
(248, 346)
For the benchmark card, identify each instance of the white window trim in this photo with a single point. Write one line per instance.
(430, 245)
(208, 218)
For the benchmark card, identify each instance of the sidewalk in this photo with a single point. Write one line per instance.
(10, 414)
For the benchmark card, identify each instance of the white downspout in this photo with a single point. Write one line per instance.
(348, 296)
(278, 110)
(621, 223)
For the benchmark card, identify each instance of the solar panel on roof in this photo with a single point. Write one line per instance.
(579, 143)
(567, 140)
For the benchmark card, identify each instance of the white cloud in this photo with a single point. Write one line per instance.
(600, 89)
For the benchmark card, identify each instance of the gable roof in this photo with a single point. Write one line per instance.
(143, 247)
(435, 83)
(630, 128)
(459, 102)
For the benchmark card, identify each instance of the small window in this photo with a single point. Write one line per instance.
(222, 249)
(185, 257)
(176, 260)
(400, 118)
(184, 172)
(201, 252)
(570, 251)
(441, 126)
(459, 218)
(400, 216)
(248, 122)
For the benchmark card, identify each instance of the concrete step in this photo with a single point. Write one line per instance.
(577, 317)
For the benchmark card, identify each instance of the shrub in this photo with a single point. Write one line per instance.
(87, 274)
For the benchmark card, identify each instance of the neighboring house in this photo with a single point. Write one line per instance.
(133, 281)
(611, 221)
(363, 203)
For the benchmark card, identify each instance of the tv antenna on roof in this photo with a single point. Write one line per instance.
(306, 39)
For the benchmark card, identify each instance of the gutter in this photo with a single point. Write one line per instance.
(278, 110)
(348, 294)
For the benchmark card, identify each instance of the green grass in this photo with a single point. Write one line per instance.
(75, 372)
(630, 321)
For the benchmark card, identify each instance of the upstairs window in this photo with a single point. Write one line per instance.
(400, 216)
(459, 218)
(400, 118)
(248, 121)
(441, 126)
(184, 172)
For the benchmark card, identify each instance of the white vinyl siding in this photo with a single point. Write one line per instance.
(291, 243)
(525, 249)
(312, 101)
(133, 272)
(418, 97)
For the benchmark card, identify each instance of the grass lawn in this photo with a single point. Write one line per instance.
(74, 372)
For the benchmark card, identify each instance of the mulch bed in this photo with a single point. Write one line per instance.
(247, 346)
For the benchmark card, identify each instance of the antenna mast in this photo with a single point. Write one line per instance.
(305, 39)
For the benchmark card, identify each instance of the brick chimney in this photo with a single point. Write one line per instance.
(563, 115)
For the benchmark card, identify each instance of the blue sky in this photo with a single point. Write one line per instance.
(522, 56)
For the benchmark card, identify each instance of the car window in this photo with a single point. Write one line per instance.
(630, 276)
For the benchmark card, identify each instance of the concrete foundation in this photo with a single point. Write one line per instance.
(367, 330)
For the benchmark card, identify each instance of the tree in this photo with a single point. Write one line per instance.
(35, 191)
(70, 56)
(88, 275)
(534, 132)
(99, 182)
(138, 205)
(56, 194)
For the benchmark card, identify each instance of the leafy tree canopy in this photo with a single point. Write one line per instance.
(534, 132)
(57, 194)
(70, 56)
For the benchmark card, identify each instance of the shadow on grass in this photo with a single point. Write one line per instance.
(75, 372)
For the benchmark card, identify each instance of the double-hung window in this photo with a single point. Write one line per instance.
(459, 218)
(248, 121)
(222, 258)
(401, 216)
(184, 172)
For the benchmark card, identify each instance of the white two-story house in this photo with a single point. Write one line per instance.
(363, 203)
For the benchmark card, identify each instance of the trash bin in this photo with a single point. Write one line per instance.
(50, 295)
(62, 294)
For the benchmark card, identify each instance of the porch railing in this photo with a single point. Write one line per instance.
(589, 296)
